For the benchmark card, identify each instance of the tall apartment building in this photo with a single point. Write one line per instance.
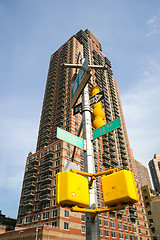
(154, 166)
(37, 203)
(142, 173)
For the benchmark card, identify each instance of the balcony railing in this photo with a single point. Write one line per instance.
(28, 193)
(29, 184)
(27, 202)
(45, 178)
(30, 176)
(44, 197)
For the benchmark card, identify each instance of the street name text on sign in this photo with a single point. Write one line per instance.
(70, 138)
(80, 82)
(106, 128)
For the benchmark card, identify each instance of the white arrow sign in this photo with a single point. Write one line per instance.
(96, 98)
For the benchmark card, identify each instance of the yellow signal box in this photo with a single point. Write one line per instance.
(98, 115)
(72, 189)
(119, 188)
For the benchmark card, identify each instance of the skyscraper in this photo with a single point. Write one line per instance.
(37, 203)
(154, 166)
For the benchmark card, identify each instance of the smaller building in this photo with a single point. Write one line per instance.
(142, 174)
(6, 224)
(154, 166)
(152, 205)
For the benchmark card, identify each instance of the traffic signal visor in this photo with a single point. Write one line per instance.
(119, 188)
(72, 189)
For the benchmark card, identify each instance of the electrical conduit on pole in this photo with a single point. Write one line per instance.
(92, 228)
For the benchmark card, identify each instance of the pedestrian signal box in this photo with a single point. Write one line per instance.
(72, 189)
(119, 188)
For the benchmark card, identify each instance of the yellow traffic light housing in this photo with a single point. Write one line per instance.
(119, 188)
(98, 115)
(72, 189)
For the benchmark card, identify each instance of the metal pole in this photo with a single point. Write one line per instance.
(92, 228)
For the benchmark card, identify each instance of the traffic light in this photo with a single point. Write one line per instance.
(72, 190)
(119, 188)
(98, 115)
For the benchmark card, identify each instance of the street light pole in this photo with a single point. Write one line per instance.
(92, 228)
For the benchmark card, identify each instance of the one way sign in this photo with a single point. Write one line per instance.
(96, 98)
(93, 100)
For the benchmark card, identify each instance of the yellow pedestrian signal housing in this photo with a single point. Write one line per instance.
(98, 115)
(72, 189)
(119, 188)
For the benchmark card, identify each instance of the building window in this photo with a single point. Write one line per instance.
(119, 217)
(58, 154)
(112, 215)
(57, 163)
(68, 147)
(66, 213)
(134, 229)
(54, 224)
(45, 215)
(76, 130)
(121, 236)
(125, 227)
(56, 171)
(59, 145)
(101, 232)
(83, 218)
(83, 229)
(46, 205)
(36, 207)
(120, 226)
(112, 225)
(54, 202)
(130, 229)
(35, 217)
(126, 236)
(113, 234)
(124, 219)
(76, 123)
(106, 233)
(68, 155)
(28, 219)
(105, 223)
(149, 212)
(28, 210)
(66, 226)
(20, 220)
(54, 213)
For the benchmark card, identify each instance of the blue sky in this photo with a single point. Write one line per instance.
(31, 30)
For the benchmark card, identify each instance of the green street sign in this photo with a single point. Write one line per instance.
(70, 138)
(106, 128)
